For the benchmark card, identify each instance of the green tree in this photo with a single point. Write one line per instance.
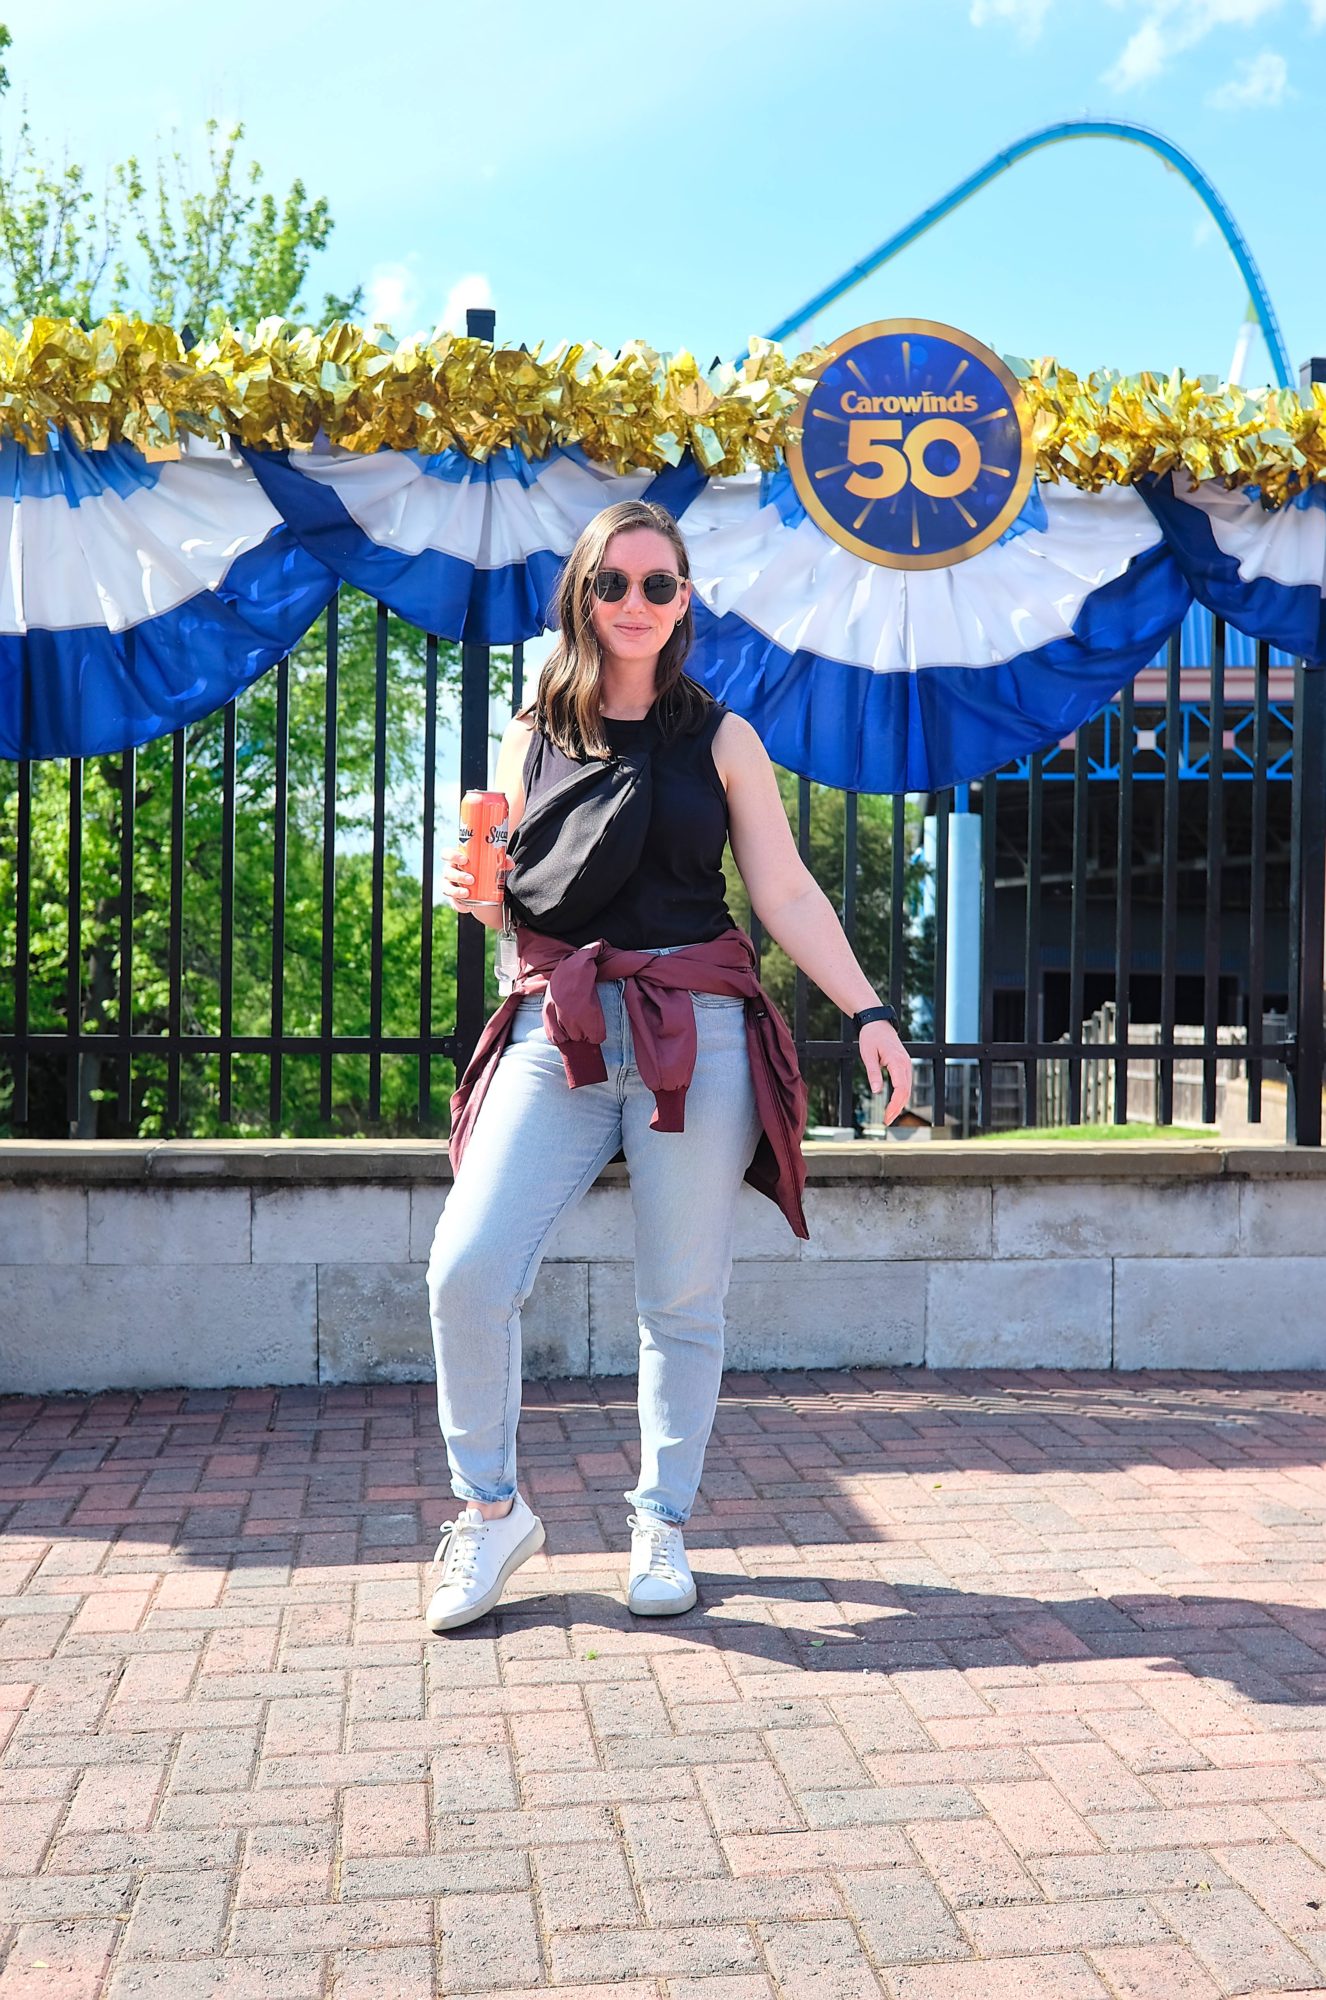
(230, 250)
(104, 784)
(58, 237)
(873, 920)
(170, 243)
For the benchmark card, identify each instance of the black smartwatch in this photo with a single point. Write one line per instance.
(880, 1013)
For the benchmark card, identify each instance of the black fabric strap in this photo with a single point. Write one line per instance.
(880, 1013)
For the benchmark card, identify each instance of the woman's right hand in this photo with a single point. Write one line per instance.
(456, 881)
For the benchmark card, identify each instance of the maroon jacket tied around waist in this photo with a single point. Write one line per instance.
(657, 990)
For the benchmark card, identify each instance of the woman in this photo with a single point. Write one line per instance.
(642, 1029)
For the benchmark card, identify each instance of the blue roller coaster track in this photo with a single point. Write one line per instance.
(1077, 128)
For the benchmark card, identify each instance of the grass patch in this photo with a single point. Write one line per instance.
(1090, 1134)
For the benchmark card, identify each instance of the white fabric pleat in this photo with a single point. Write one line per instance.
(1286, 544)
(490, 523)
(808, 594)
(116, 560)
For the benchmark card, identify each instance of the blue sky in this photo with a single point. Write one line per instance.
(690, 174)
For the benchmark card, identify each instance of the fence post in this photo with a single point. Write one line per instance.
(475, 666)
(961, 999)
(1307, 916)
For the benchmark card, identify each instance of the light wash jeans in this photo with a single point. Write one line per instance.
(536, 1147)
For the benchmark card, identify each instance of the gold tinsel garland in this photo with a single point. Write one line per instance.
(1111, 429)
(280, 386)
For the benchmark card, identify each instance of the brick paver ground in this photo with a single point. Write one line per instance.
(999, 1685)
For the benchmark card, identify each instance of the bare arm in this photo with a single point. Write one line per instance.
(510, 767)
(791, 905)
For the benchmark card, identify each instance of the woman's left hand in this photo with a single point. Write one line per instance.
(881, 1050)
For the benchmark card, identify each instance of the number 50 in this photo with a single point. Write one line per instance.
(870, 444)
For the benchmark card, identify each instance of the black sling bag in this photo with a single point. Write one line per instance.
(580, 842)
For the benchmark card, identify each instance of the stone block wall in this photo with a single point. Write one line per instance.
(183, 1264)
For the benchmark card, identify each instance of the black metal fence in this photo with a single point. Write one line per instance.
(1189, 850)
(1162, 838)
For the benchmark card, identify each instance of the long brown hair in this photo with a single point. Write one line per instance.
(568, 706)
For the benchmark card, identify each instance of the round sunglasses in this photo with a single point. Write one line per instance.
(659, 587)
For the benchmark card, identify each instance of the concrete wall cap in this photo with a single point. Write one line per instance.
(213, 1161)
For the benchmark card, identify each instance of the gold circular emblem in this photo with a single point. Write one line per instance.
(915, 448)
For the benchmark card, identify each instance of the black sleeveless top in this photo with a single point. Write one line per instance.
(676, 895)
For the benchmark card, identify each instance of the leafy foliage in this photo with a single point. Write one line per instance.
(229, 251)
(104, 792)
(873, 921)
(153, 241)
(226, 250)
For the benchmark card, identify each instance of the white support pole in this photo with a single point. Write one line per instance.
(962, 997)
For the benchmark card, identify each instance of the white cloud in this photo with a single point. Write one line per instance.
(1168, 27)
(1259, 83)
(1026, 16)
(1317, 13)
(391, 297)
(471, 290)
(1142, 57)
(1204, 230)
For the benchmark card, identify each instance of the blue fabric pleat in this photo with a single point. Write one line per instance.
(439, 593)
(86, 692)
(845, 726)
(1290, 615)
(66, 471)
(675, 486)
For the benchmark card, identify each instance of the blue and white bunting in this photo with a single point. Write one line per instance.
(138, 596)
(463, 549)
(883, 680)
(1263, 569)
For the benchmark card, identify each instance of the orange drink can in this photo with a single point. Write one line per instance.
(483, 836)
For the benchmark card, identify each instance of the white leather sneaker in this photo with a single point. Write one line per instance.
(661, 1583)
(477, 1557)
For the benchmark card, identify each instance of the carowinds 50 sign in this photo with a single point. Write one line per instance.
(915, 447)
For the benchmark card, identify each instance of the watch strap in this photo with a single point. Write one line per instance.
(881, 1013)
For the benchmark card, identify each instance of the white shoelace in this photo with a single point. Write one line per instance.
(665, 1547)
(458, 1550)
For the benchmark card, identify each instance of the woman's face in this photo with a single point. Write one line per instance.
(633, 628)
